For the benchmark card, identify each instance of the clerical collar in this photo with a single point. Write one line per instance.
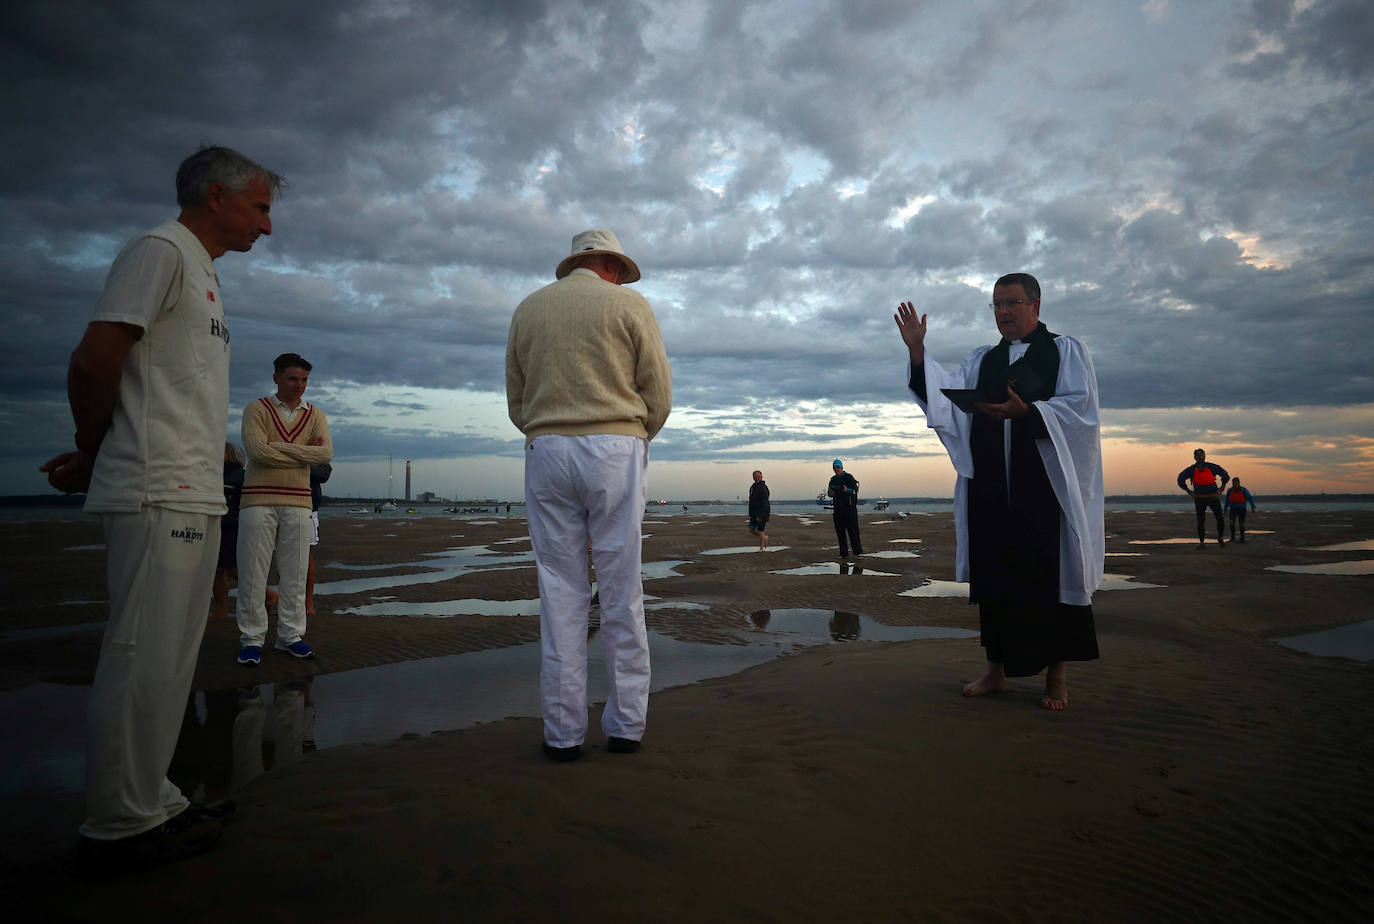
(1040, 331)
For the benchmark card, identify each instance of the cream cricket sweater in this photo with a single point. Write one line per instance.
(586, 356)
(279, 457)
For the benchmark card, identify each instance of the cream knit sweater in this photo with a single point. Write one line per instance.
(586, 356)
(279, 456)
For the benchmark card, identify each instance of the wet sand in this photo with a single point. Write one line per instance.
(1201, 773)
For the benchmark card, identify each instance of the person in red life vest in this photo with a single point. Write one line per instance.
(1207, 479)
(1236, 499)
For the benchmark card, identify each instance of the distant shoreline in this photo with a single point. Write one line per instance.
(76, 500)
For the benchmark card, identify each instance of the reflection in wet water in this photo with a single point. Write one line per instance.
(1361, 566)
(905, 540)
(845, 627)
(230, 736)
(1355, 641)
(835, 567)
(892, 553)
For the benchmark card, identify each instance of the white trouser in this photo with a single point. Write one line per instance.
(579, 488)
(263, 529)
(160, 566)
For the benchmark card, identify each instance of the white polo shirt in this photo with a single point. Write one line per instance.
(165, 445)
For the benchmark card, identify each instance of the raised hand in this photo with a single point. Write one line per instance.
(912, 327)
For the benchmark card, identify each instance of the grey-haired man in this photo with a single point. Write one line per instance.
(149, 391)
(588, 384)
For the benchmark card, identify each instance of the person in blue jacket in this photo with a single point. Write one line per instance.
(1236, 499)
(1207, 480)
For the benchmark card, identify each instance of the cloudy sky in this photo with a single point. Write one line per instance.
(1192, 182)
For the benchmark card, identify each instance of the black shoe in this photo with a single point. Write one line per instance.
(621, 745)
(562, 755)
(185, 835)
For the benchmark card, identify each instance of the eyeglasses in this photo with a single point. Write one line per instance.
(1009, 303)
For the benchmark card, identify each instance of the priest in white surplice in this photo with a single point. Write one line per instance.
(1028, 498)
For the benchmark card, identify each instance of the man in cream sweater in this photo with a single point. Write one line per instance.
(283, 435)
(588, 383)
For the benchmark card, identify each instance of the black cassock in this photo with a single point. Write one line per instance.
(1014, 534)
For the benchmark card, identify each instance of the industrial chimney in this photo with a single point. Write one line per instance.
(407, 479)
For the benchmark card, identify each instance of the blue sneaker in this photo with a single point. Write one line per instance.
(298, 649)
(250, 654)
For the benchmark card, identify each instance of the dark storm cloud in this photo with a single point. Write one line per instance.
(1192, 188)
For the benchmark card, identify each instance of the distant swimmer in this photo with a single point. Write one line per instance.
(1206, 479)
(1236, 499)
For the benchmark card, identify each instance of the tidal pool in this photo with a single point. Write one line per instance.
(1110, 581)
(742, 549)
(1361, 566)
(1355, 641)
(230, 736)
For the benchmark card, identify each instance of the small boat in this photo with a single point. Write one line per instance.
(357, 510)
(880, 504)
(825, 501)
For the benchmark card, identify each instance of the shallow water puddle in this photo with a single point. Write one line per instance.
(1193, 541)
(1360, 545)
(1110, 581)
(846, 627)
(231, 736)
(441, 608)
(742, 549)
(892, 553)
(1355, 641)
(1361, 566)
(657, 570)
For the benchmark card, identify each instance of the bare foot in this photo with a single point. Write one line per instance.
(988, 683)
(1056, 689)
